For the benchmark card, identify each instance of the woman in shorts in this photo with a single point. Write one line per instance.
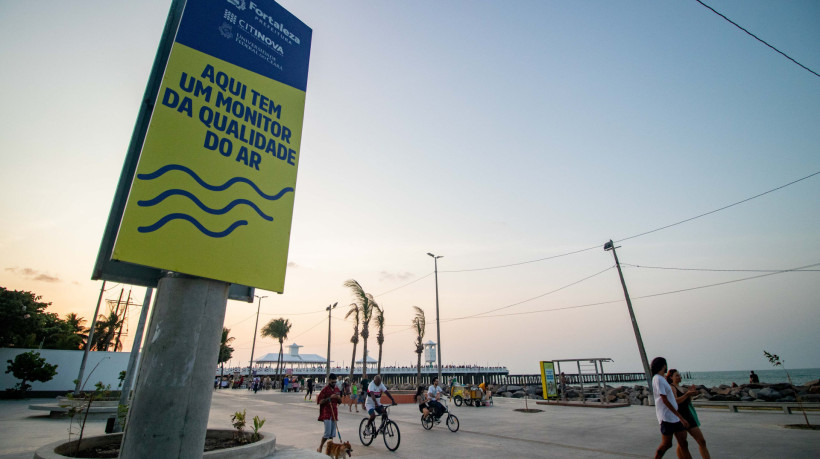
(421, 399)
(354, 397)
(685, 408)
(666, 410)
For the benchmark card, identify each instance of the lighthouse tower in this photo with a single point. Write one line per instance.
(430, 353)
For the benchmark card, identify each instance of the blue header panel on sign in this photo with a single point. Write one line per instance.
(258, 35)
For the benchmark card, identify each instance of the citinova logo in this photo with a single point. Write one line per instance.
(265, 17)
(239, 4)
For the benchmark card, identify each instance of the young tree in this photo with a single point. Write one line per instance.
(419, 325)
(354, 311)
(277, 329)
(225, 350)
(774, 359)
(29, 366)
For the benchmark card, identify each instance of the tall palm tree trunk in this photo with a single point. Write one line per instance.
(365, 334)
(279, 361)
(418, 369)
(379, 371)
(353, 361)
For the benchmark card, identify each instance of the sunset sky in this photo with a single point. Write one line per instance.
(497, 134)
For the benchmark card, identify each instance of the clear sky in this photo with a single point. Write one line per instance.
(491, 133)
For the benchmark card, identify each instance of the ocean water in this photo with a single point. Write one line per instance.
(770, 376)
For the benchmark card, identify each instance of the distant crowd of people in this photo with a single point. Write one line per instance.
(268, 369)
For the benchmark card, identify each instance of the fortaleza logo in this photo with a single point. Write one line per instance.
(265, 17)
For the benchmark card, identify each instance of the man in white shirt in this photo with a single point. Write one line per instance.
(666, 410)
(373, 404)
(434, 395)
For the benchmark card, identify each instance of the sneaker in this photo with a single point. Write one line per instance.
(438, 420)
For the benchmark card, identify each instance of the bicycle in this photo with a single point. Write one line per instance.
(388, 429)
(428, 420)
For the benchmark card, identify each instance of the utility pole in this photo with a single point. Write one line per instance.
(78, 386)
(132, 358)
(611, 246)
(438, 327)
(255, 329)
(124, 316)
(329, 308)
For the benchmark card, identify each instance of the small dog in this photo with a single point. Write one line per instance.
(338, 450)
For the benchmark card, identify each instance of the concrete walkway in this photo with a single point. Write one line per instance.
(557, 431)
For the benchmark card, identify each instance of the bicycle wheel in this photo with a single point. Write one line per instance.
(391, 436)
(427, 421)
(366, 432)
(452, 423)
(458, 400)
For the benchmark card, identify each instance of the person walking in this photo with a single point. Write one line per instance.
(685, 408)
(309, 391)
(666, 410)
(354, 397)
(328, 401)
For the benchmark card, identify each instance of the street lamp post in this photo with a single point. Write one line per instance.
(438, 327)
(329, 308)
(255, 328)
(611, 246)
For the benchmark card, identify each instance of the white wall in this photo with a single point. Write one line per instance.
(68, 368)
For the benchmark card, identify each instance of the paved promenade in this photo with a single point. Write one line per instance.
(498, 431)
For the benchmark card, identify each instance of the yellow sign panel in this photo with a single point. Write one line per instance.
(548, 380)
(214, 189)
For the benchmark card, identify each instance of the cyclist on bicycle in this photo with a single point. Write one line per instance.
(434, 395)
(374, 392)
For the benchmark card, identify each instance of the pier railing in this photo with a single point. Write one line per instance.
(525, 380)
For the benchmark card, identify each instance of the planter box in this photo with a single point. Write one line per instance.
(265, 447)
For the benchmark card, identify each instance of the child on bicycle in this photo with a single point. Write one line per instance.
(374, 393)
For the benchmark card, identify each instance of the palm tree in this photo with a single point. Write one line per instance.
(419, 324)
(225, 350)
(75, 323)
(380, 336)
(354, 311)
(105, 332)
(277, 329)
(362, 299)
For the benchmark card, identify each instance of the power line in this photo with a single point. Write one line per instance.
(309, 329)
(618, 240)
(596, 246)
(535, 297)
(523, 262)
(246, 318)
(538, 311)
(757, 38)
(727, 282)
(292, 314)
(720, 270)
(399, 331)
(634, 298)
(405, 285)
(718, 210)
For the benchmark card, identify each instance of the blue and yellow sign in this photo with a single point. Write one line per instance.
(215, 183)
(548, 380)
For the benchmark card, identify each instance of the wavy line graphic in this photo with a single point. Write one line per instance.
(178, 167)
(205, 231)
(177, 192)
